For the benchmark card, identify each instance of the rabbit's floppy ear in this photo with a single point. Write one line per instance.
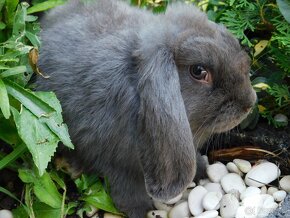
(165, 146)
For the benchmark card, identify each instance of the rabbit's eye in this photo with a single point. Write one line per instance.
(198, 72)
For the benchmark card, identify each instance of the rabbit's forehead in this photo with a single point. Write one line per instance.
(219, 53)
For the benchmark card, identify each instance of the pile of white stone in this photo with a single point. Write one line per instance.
(234, 190)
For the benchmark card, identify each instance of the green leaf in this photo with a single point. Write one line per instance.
(10, 9)
(2, 25)
(55, 121)
(43, 6)
(96, 196)
(28, 199)
(42, 210)
(9, 158)
(20, 212)
(31, 18)
(8, 132)
(284, 7)
(14, 71)
(11, 195)
(37, 136)
(38, 107)
(45, 105)
(32, 38)
(43, 186)
(2, 2)
(19, 19)
(4, 100)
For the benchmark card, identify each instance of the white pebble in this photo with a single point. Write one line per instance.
(208, 214)
(216, 171)
(282, 119)
(161, 206)
(285, 183)
(185, 194)
(157, 214)
(214, 187)
(235, 192)
(243, 165)
(262, 174)
(250, 191)
(211, 201)
(266, 210)
(232, 168)
(174, 200)
(259, 205)
(179, 210)
(195, 200)
(109, 215)
(203, 181)
(279, 195)
(90, 213)
(205, 158)
(268, 206)
(6, 214)
(229, 206)
(271, 190)
(233, 181)
(264, 189)
(191, 185)
(240, 212)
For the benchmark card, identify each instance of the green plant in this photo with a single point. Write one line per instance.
(31, 124)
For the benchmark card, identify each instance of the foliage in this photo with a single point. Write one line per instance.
(31, 123)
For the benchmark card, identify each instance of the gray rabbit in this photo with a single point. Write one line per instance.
(141, 93)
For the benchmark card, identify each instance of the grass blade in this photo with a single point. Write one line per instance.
(4, 100)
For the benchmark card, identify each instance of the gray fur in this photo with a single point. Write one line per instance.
(134, 113)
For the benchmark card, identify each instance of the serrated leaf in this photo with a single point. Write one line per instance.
(43, 6)
(43, 186)
(284, 7)
(4, 100)
(44, 105)
(37, 136)
(38, 107)
(55, 121)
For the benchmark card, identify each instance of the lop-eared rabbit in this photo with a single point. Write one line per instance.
(141, 92)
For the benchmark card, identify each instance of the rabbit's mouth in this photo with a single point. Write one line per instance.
(229, 123)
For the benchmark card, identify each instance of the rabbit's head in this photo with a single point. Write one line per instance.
(194, 81)
(212, 69)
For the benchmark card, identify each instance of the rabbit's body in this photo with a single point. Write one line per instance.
(134, 112)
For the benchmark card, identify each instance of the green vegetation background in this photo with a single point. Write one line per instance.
(31, 124)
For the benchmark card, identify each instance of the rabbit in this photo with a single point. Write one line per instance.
(141, 93)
